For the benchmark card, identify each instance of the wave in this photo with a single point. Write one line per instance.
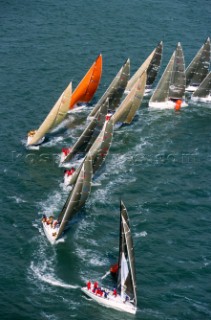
(17, 199)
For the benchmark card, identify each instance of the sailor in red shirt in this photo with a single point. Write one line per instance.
(89, 285)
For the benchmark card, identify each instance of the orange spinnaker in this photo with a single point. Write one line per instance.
(89, 84)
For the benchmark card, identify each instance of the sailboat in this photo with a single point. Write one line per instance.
(127, 110)
(115, 90)
(125, 298)
(53, 227)
(152, 65)
(88, 136)
(53, 119)
(203, 92)
(98, 151)
(198, 68)
(86, 89)
(170, 91)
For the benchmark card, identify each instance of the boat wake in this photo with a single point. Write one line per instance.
(39, 273)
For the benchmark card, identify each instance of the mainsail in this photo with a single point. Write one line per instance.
(172, 82)
(86, 89)
(115, 89)
(98, 150)
(204, 90)
(77, 196)
(155, 63)
(126, 283)
(199, 66)
(90, 133)
(55, 117)
(177, 83)
(161, 91)
(126, 111)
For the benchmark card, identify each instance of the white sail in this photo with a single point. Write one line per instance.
(124, 274)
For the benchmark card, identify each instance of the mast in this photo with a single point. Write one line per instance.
(78, 196)
(199, 66)
(115, 89)
(126, 265)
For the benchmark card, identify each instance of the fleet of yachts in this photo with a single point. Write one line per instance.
(117, 106)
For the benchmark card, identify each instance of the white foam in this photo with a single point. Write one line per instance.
(140, 234)
(52, 204)
(49, 278)
(17, 199)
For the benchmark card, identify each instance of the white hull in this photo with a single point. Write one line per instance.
(165, 105)
(77, 109)
(29, 139)
(147, 92)
(67, 179)
(64, 156)
(116, 303)
(191, 88)
(203, 100)
(126, 92)
(50, 232)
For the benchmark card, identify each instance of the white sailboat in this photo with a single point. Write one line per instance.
(198, 68)
(53, 227)
(124, 298)
(53, 119)
(203, 92)
(170, 91)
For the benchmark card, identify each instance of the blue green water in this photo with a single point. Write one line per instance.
(160, 165)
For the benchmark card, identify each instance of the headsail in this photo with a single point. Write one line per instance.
(126, 111)
(90, 133)
(55, 117)
(199, 66)
(86, 89)
(115, 89)
(162, 90)
(126, 271)
(77, 196)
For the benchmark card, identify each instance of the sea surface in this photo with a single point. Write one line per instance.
(160, 165)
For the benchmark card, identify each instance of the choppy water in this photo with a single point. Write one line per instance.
(160, 165)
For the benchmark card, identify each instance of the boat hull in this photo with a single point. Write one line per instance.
(202, 100)
(39, 142)
(111, 301)
(50, 232)
(165, 105)
(191, 88)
